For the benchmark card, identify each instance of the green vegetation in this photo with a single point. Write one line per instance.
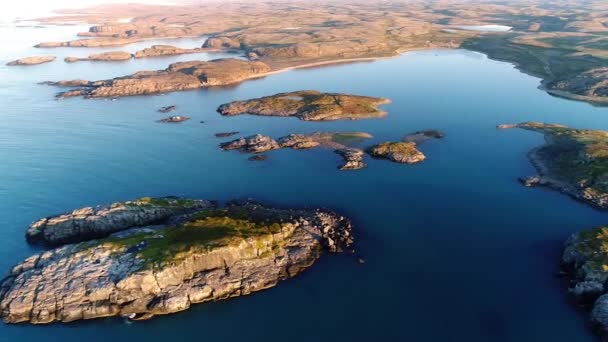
(205, 231)
(576, 156)
(309, 105)
(593, 245)
(403, 148)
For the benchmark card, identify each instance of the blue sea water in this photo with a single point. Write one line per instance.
(455, 248)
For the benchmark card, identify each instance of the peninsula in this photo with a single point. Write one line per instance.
(309, 105)
(573, 161)
(211, 253)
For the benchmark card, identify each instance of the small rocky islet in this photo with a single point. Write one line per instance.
(34, 60)
(309, 105)
(156, 256)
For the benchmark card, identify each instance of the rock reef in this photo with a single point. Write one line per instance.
(338, 141)
(400, 152)
(178, 76)
(309, 105)
(174, 119)
(96, 222)
(32, 60)
(214, 254)
(572, 161)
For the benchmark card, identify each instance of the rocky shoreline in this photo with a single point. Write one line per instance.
(566, 162)
(210, 254)
(32, 60)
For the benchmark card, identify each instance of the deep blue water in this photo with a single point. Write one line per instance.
(455, 248)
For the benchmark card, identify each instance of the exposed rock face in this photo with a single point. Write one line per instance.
(178, 76)
(164, 50)
(309, 105)
(253, 144)
(32, 60)
(140, 273)
(95, 222)
(353, 157)
(400, 152)
(112, 56)
(586, 261)
(572, 161)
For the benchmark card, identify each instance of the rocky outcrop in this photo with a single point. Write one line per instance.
(585, 261)
(252, 144)
(174, 119)
(178, 76)
(222, 43)
(309, 105)
(32, 60)
(353, 157)
(96, 222)
(112, 56)
(400, 152)
(572, 161)
(88, 43)
(215, 254)
(165, 50)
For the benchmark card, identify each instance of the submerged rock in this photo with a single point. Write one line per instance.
(258, 157)
(225, 134)
(213, 255)
(96, 222)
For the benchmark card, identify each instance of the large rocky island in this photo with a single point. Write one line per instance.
(193, 256)
(309, 105)
(178, 76)
(573, 161)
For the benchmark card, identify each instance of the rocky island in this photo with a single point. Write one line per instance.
(405, 151)
(32, 60)
(573, 161)
(112, 56)
(338, 141)
(178, 76)
(174, 119)
(166, 50)
(309, 105)
(209, 254)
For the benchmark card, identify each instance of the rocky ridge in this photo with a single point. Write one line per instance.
(100, 221)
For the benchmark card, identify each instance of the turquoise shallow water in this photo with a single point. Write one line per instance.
(455, 248)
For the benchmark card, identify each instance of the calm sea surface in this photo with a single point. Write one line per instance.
(455, 248)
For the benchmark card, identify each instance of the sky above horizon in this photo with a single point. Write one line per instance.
(24, 9)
